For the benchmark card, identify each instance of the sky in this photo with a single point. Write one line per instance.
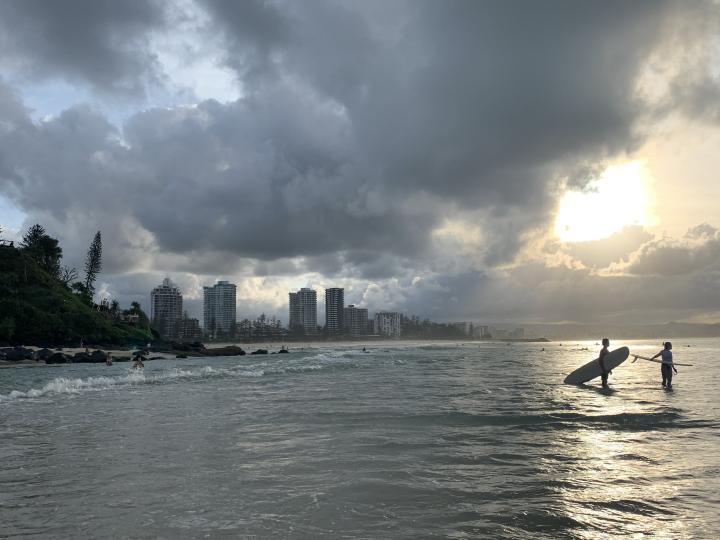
(493, 161)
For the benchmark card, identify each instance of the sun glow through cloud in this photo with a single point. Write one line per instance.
(620, 197)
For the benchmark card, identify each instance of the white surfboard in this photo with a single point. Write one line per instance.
(636, 356)
(592, 369)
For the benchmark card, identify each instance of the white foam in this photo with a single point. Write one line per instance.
(63, 385)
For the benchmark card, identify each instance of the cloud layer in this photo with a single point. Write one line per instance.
(408, 150)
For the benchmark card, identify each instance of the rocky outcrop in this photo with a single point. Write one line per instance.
(95, 357)
(195, 346)
(43, 354)
(57, 358)
(260, 351)
(15, 354)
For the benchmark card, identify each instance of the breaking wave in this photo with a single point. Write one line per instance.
(64, 385)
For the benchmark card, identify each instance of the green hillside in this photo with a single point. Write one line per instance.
(37, 309)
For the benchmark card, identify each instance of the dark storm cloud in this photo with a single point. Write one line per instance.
(363, 127)
(476, 105)
(479, 103)
(101, 42)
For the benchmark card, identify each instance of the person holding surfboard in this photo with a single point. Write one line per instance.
(603, 352)
(667, 367)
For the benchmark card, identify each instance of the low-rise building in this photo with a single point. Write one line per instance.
(387, 323)
(355, 320)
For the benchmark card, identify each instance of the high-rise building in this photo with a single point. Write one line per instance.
(387, 324)
(166, 309)
(334, 310)
(219, 308)
(303, 311)
(355, 320)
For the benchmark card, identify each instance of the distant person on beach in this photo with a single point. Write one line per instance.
(604, 352)
(667, 367)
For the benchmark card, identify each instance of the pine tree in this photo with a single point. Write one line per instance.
(43, 248)
(93, 263)
(33, 236)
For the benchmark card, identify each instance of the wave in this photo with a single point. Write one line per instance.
(64, 385)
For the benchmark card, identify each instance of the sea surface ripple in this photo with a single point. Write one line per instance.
(409, 440)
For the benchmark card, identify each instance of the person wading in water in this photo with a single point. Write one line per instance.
(667, 367)
(604, 352)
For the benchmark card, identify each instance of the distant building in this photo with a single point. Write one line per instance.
(481, 331)
(465, 327)
(219, 308)
(499, 333)
(355, 320)
(189, 329)
(371, 327)
(387, 324)
(303, 311)
(334, 310)
(166, 309)
(130, 318)
(518, 333)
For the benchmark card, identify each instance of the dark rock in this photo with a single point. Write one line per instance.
(195, 346)
(260, 351)
(230, 350)
(181, 356)
(283, 351)
(121, 359)
(81, 358)
(43, 354)
(19, 353)
(57, 358)
(98, 356)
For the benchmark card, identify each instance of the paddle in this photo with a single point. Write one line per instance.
(636, 356)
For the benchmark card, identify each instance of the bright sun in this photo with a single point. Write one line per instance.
(617, 199)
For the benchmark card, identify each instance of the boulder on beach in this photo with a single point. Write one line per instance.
(98, 356)
(43, 354)
(260, 351)
(230, 350)
(57, 358)
(19, 353)
(195, 346)
(81, 358)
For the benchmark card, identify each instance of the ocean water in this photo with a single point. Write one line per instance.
(410, 440)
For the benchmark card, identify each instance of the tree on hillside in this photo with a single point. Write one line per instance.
(33, 236)
(67, 275)
(93, 263)
(43, 248)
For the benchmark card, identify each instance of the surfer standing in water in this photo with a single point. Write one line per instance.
(667, 367)
(603, 352)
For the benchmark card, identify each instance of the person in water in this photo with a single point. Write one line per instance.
(667, 367)
(604, 352)
(138, 363)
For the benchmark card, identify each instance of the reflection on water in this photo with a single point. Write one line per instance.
(407, 441)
